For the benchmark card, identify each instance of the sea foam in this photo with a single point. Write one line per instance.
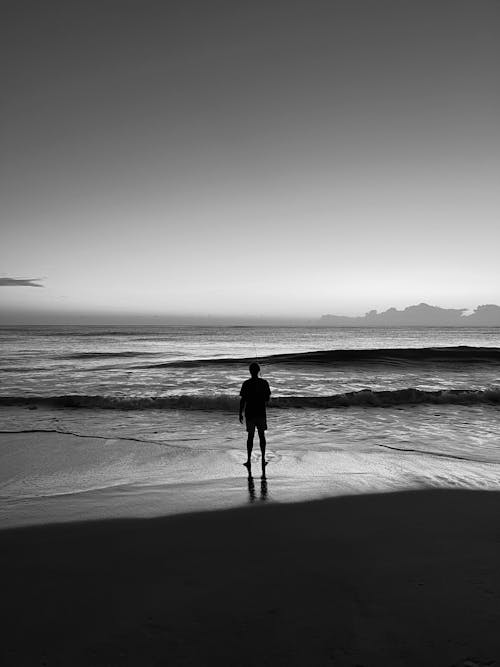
(364, 398)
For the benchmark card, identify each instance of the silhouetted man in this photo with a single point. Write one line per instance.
(255, 394)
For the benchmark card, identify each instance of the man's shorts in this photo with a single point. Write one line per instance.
(258, 423)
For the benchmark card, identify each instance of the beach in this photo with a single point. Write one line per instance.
(406, 578)
(131, 533)
(250, 334)
(55, 476)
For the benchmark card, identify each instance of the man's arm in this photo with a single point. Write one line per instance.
(242, 401)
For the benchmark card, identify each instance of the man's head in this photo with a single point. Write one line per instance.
(254, 369)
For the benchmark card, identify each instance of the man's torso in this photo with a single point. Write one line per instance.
(256, 393)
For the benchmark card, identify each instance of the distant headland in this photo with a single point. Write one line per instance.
(422, 314)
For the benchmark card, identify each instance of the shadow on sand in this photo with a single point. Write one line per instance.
(393, 579)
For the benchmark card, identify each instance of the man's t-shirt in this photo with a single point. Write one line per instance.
(256, 393)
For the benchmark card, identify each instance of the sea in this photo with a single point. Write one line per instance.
(143, 420)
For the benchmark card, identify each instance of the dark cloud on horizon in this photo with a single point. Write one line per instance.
(20, 282)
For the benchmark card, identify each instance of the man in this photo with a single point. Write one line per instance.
(255, 394)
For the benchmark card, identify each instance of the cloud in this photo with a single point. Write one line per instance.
(20, 282)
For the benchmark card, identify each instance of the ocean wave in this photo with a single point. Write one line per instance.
(462, 354)
(16, 369)
(108, 355)
(364, 398)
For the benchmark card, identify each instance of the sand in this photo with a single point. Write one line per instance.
(59, 477)
(390, 579)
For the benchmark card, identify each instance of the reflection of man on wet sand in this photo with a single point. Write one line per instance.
(255, 394)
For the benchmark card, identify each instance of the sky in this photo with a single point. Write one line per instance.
(193, 158)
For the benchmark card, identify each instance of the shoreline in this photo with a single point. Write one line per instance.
(383, 579)
(51, 478)
(152, 501)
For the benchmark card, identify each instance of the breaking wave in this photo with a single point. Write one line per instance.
(364, 398)
(462, 354)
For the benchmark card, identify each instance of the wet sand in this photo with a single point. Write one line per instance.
(407, 578)
(59, 477)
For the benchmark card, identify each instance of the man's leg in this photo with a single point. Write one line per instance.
(262, 440)
(251, 431)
